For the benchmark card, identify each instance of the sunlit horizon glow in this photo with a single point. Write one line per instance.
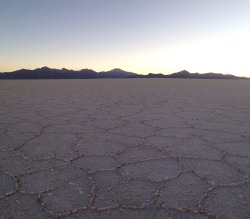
(141, 36)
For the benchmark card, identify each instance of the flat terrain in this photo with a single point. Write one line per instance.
(128, 148)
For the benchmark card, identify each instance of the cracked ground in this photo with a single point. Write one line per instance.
(136, 148)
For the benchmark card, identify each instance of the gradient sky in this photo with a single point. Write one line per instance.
(158, 36)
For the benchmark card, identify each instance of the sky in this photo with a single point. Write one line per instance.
(142, 36)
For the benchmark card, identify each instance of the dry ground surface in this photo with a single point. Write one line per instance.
(130, 148)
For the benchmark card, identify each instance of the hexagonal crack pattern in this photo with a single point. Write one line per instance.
(125, 149)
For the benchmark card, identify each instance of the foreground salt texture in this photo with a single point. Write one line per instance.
(139, 148)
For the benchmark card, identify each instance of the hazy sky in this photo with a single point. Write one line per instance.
(158, 36)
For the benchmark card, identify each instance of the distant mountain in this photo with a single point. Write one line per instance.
(116, 73)
(182, 74)
(48, 73)
(186, 74)
(51, 73)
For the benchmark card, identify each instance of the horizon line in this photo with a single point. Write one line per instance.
(117, 68)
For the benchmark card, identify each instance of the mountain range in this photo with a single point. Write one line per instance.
(51, 73)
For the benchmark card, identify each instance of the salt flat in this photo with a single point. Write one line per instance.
(125, 148)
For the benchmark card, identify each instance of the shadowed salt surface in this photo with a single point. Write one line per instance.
(139, 148)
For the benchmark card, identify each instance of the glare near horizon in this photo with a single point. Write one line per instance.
(142, 36)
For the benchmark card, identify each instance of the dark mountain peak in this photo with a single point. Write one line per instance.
(45, 67)
(116, 70)
(87, 70)
(22, 70)
(184, 72)
(181, 74)
(116, 73)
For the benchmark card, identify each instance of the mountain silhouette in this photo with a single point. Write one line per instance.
(116, 73)
(186, 74)
(51, 73)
